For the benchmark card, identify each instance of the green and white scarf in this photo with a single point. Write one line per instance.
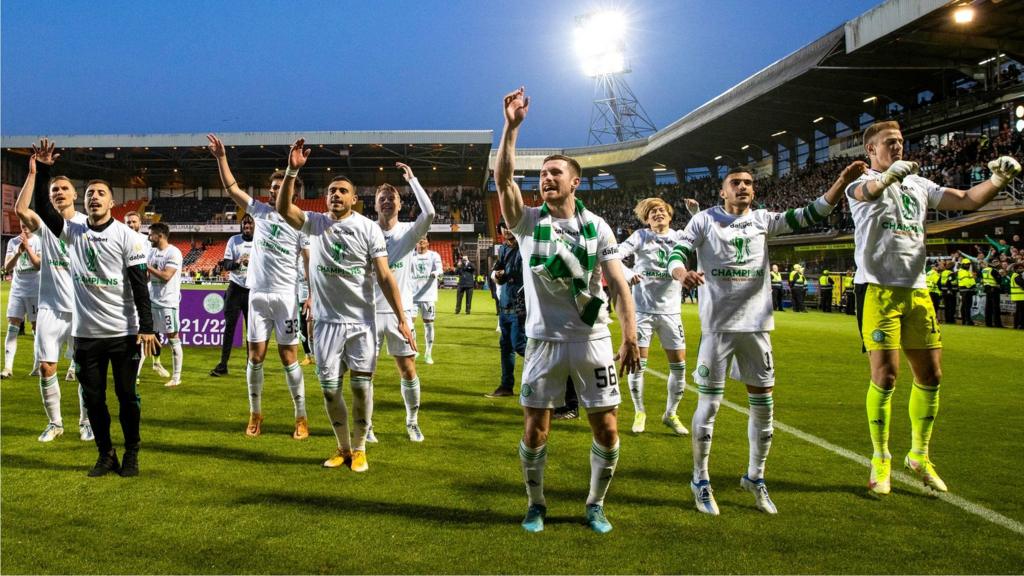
(561, 261)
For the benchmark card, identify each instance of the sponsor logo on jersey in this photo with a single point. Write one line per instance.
(738, 272)
(610, 250)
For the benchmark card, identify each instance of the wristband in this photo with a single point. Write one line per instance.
(291, 173)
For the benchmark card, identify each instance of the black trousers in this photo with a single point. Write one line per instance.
(798, 298)
(936, 300)
(307, 345)
(850, 307)
(1018, 315)
(825, 302)
(777, 298)
(949, 306)
(966, 301)
(236, 301)
(93, 357)
(468, 291)
(993, 316)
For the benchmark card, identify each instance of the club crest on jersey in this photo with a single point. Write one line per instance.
(703, 371)
(909, 206)
(525, 390)
(878, 336)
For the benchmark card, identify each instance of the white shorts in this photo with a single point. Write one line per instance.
(342, 347)
(52, 330)
(165, 320)
(428, 310)
(549, 366)
(750, 352)
(21, 306)
(276, 313)
(669, 328)
(387, 330)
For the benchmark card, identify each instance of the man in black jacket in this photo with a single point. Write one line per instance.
(467, 283)
(508, 275)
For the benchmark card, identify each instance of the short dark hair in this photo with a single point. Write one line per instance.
(737, 170)
(342, 178)
(279, 175)
(570, 161)
(160, 228)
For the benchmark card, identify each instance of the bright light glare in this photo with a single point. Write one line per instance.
(600, 42)
(963, 15)
(1019, 111)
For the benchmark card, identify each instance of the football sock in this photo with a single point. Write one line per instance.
(636, 386)
(709, 399)
(924, 406)
(254, 377)
(759, 432)
(879, 407)
(176, 357)
(49, 389)
(676, 386)
(10, 346)
(297, 387)
(533, 461)
(602, 468)
(337, 411)
(362, 409)
(411, 396)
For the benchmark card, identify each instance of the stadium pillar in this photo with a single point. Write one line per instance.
(199, 193)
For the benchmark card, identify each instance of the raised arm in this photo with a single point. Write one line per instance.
(871, 190)
(796, 219)
(227, 179)
(1004, 170)
(37, 187)
(509, 196)
(291, 213)
(427, 213)
(393, 295)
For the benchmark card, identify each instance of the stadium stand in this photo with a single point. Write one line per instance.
(120, 210)
(190, 210)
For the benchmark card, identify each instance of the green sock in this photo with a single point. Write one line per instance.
(879, 413)
(924, 406)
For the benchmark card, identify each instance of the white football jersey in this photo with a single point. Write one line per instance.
(401, 241)
(551, 312)
(889, 232)
(275, 251)
(165, 294)
(341, 266)
(56, 291)
(104, 306)
(426, 269)
(238, 247)
(25, 283)
(657, 292)
(732, 253)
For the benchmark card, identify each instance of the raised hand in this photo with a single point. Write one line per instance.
(692, 206)
(406, 171)
(298, 155)
(216, 147)
(517, 104)
(43, 153)
(855, 170)
(1004, 169)
(899, 170)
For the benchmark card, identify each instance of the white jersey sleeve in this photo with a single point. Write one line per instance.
(165, 293)
(889, 232)
(56, 291)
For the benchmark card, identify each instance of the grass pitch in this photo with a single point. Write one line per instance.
(210, 500)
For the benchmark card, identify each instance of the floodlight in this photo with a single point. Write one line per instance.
(600, 39)
(1020, 125)
(1019, 111)
(963, 15)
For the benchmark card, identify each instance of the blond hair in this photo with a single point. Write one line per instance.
(644, 207)
(871, 131)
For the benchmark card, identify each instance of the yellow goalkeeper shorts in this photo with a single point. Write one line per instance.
(897, 318)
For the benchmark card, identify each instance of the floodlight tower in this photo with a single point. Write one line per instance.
(617, 115)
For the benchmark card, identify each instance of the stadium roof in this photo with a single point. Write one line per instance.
(441, 157)
(891, 53)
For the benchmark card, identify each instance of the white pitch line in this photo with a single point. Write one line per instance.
(962, 503)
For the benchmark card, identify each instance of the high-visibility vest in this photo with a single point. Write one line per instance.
(946, 280)
(965, 279)
(933, 281)
(987, 278)
(847, 282)
(825, 282)
(1016, 292)
(776, 279)
(796, 278)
